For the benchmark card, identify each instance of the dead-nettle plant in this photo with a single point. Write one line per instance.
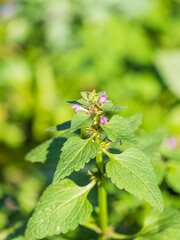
(90, 134)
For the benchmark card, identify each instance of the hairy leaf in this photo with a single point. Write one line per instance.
(62, 207)
(85, 95)
(59, 127)
(75, 153)
(118, 129)
(135, 120)
(132, 171)
(68, 134)
(80, 119)
(47, 152)
(161, 226)
(82, 101)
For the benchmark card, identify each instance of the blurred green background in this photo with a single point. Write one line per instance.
(50, 50)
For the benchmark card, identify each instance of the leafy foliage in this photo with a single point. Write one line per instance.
(132, 171)
(118, 129)
(75, 153)
(62, 207)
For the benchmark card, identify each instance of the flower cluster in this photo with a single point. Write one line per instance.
(94, 102)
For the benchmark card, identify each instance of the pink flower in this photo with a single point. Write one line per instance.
(89, 172)
(171, 142)
(103, 99)
(79, 108)
(104, 120)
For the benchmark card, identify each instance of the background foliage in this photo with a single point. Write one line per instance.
(52, 50)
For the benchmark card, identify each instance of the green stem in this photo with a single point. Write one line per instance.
(102, 195)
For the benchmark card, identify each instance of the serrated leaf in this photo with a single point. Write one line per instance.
(81, 101)
(173, 176)
(47, 152)
(161, 226)
(68, 134)
(135, 120)
(75, 153)
(80, 119)
(132, 171)
(85, 95)
(118, 129)
(62, 207)
(59, 127)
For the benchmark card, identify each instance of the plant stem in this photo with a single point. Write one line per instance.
(102, 195)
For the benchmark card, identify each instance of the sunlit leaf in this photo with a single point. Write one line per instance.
(62, 207)
(132, 171)
(80, 119)
(75, 153)
(118, 129)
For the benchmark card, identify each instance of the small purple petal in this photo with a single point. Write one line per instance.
(104, 120)
(79, 108)
(89, 172)
(171, 142)
(103, 99)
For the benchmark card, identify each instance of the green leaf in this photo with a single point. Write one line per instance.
(132, 171)
(80, 119)
(161, 226)
(47, 152)
(110, 107)
(135, 120)
(81, 101)
(68, 134)
(85, 95)
(173, 176)
(118, 129)
(62, 207)
(59, 127)
(75, 153)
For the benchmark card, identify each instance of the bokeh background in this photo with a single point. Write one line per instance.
(50, 50)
